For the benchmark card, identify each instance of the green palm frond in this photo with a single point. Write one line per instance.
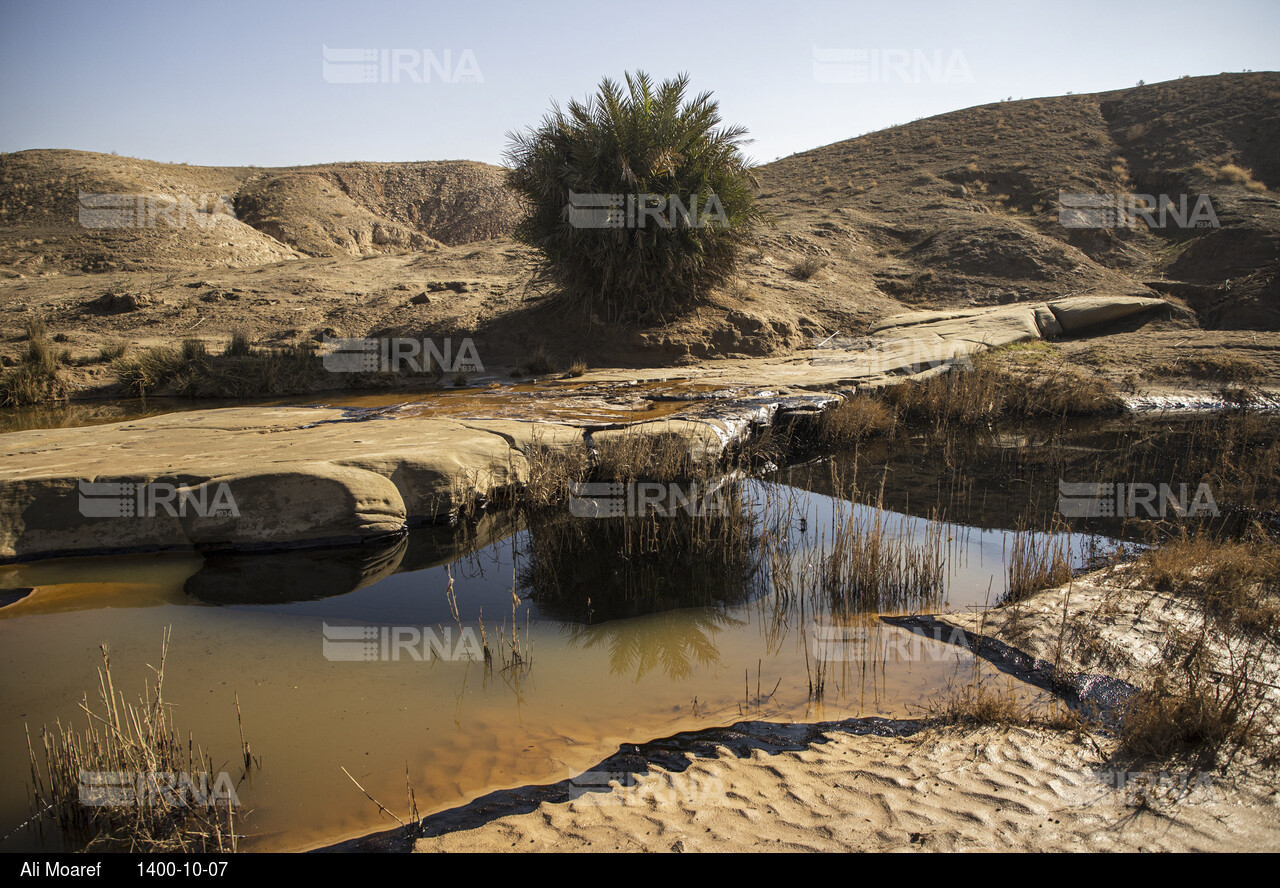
(631, 139)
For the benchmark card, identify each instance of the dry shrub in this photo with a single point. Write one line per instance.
(987, 393)
(1238, 582)
(806, 268)
(855, 418)
(1176, 716)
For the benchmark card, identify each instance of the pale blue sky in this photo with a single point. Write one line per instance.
(244, 82)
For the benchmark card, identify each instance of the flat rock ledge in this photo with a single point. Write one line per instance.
(241, 479)
(263, 478)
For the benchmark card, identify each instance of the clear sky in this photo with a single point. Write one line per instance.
(237, 82)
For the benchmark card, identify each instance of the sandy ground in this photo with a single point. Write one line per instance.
(989, 789)
(942, 789)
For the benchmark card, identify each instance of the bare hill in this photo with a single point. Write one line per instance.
(80, 211)
(964, 208)
(954, 211)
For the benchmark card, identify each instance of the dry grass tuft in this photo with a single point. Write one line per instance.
(1238, 582)
(806, 268)
(38, 374)
(539, 362)
(854, 419)
(977, 704)
(131, 782)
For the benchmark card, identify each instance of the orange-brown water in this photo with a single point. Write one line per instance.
(240, 627)
(559, 400)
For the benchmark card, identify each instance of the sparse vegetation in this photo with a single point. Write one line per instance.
(1220, 367)
(38, 375)
(172, 798)
(991, 391)
(804, 269)
(190, 371)
(1185, 711)
(856, 418)
(1036, 562)
(1236, 581)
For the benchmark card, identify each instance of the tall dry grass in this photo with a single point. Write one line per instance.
(130, 781)
(1036, 561)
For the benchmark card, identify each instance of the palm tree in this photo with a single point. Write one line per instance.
(586, 173)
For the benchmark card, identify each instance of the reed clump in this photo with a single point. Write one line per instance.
(130, 781)
(702, 552)
(552, 468)
(864, 560)
(638, 454)
(855, 419)
(1037, 561)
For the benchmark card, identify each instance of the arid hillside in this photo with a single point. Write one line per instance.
(963, 208)
(971, 208)
(71, 211)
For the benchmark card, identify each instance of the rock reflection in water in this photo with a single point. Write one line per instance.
(312, 575)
